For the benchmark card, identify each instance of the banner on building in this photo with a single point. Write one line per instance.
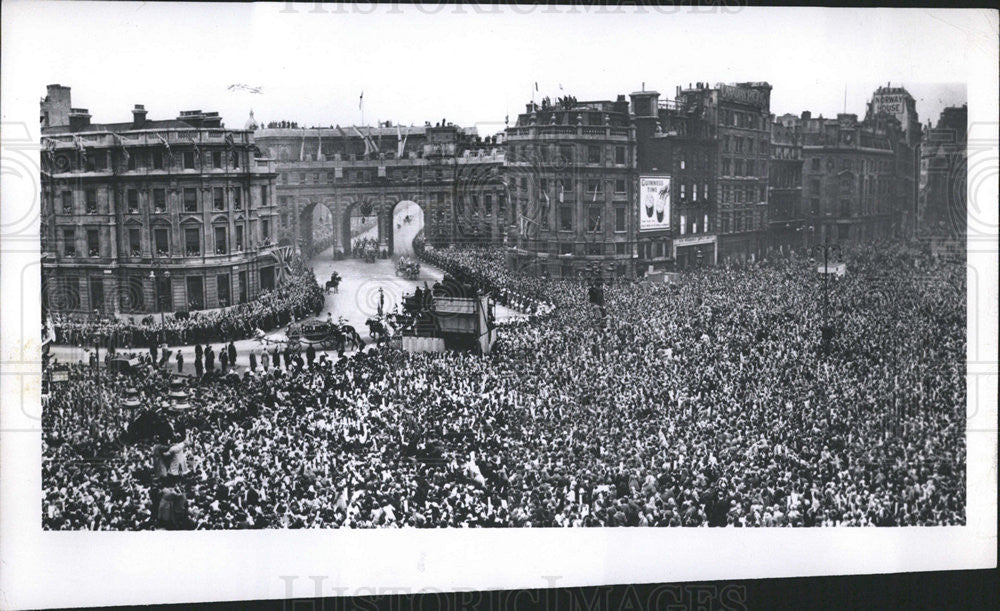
(654, 203)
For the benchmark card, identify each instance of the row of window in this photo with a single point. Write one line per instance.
(745, 120)
(740, 144)
(594, 220)
(100, 160)
(736, 222)
(566, 186)
(743, 167)
(160, 245)
(566, 153)
(742, 194)
(865, 165)
(159, 200)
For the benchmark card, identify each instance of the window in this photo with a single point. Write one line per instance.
(566, 151)
(188, 160)
(216, 159)
(222, 290)
(159, 200)
(814, 186)
(683, 191)
(739, 167)
(566, 218)
(595, 249)
(593, 189)
(725, 143)
(620, 248)
(565, 248)
(266, 229)
(750, 145)
(594, 218)
(727, 167)
(619, 186)
(236, 159)
(750, 168)
(91, 196)
(620, 218)
(815, 164)
(132, 201)
(69, 242)
(161, 244)
(704, 223)
(190, 200)
(93, 243)
(219, 198)
(243, 287)
(195, 293)
(694, 192)
(67, 202)
(620, 155)
(593, 154)
(130, 164)
(284, 177)
(239, 238)
(683, 163)
(683, 224)
(157, 160)
(488, 203)
(263, 195)
(237, 198)
(220, 240)
(134, 241)
(704, 190)
(192, 242)
(97, 294)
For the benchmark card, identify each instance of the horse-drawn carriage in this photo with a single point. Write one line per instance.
(408, 268)
(323, 335)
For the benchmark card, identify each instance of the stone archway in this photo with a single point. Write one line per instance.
(361, 221)
(406, 224)
(316, 227)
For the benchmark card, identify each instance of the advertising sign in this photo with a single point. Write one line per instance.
(654, 203)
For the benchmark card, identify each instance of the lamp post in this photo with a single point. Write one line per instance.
(156, 275)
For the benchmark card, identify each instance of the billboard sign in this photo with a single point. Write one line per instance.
(654, 203)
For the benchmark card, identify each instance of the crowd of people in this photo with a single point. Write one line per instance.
(705, 402)
(365, 248)
(297, 295)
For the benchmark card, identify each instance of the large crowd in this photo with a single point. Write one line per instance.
(297, 295)
(705, 402)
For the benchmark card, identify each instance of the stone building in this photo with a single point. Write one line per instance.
(942, 204)
(739, 119)
(335, 181)
(676, 152)
(853, 178)
(152, 215)
(786, 216)
(569, 168)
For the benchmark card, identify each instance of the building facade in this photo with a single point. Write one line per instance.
(152, 215)
(852, 182)
(942, 205)
(327, 176)
(739, 115)
(569, 167)
(895, 103)
(786, 217)
(676, 149)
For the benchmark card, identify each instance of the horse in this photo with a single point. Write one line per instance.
(344, 333)
(332, 284)
(379, 330)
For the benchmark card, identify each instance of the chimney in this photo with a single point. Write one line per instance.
(806, 115)
(138, 116)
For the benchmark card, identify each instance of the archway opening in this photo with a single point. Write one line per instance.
(361, 231)
(408, 225)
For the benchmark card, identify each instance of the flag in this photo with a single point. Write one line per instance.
(596, 186)
(81, 149)
(229, 140)
(399, 142)
(121, 144)
(368, 148)
(536, 85)
(562, 191)
(166, 144)
(361, 99)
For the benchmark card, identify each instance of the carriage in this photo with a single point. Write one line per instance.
(408, 268)
(316, 333)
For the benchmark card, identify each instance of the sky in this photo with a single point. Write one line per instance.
(474, 65)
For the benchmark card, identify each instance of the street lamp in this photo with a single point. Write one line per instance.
(155, 275)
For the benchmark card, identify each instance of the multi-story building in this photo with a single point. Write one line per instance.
(739, 116)
(569, 167)
(896, 103)
(942, 204)
(331, 180)
(152, 215)
(786, 218)
(676, 165)
(851, 177)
